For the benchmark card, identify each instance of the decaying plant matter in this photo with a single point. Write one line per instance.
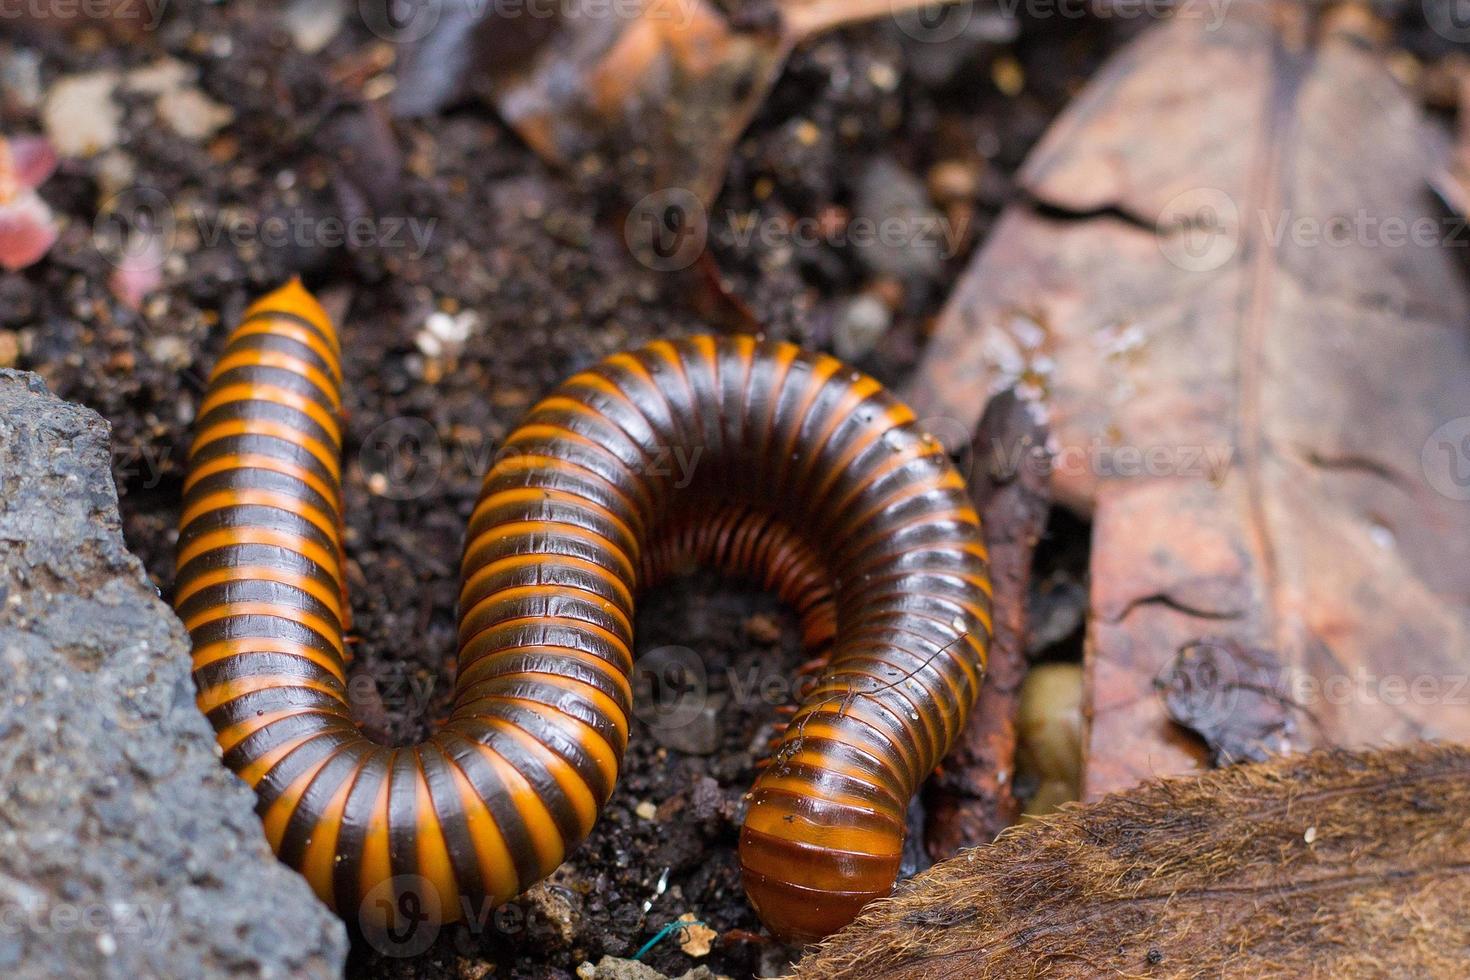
(677, 78)
(1230, 291)
(1332, 864)
(972, 798)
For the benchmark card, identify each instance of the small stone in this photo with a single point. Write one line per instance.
(1008, 76)
(883, 76)
(763, 629)
(902, 235)
(693, 730)
(20, 78)
(158, 77)
(551, 915)
(614, 968)
(115, 172)
(444, 334)
(312, 24)
(953, 180)
(192, 114)
(861, 324)
(170, 351)
(80, 116)
(646, 810)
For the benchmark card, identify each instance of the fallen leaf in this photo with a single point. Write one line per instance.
(27, 226)
(139, 269)
(1200, 877)
(674, 78)
(696, 939)
(32, 161)
(1231, 295)
(27, 231)
(1230, 696)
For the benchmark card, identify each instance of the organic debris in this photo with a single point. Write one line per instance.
(680, 79)
(1333, 864)
(973, 798)
(27, 227)
(1261, 402)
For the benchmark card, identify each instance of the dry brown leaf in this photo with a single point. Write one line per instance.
(1328, 865)
(672, 80)
(695, 939)
(1231, 294)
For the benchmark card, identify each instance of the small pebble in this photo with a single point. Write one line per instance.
(763, 629)
(1008, 76)
(192, 114)
(953, 180)
(80, 116)
(158, 77)
(20, 78)
(312, 24)
(861, 323)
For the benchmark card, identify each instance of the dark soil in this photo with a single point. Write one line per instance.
(544, 267)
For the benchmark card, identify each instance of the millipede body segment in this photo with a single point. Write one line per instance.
(808, 478)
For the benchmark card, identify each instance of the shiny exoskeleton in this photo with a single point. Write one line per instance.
(807, 477)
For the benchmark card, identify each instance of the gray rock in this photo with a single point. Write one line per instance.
(861, 324)
(695, 731)
(615, 968)
(895, 231)
(126, 848)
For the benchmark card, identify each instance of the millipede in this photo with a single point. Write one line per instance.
(812, 481)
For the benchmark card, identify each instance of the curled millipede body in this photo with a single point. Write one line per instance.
(811, 480)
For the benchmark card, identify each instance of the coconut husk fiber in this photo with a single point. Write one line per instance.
(1333, 864)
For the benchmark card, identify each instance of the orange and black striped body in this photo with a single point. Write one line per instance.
(806, 477)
